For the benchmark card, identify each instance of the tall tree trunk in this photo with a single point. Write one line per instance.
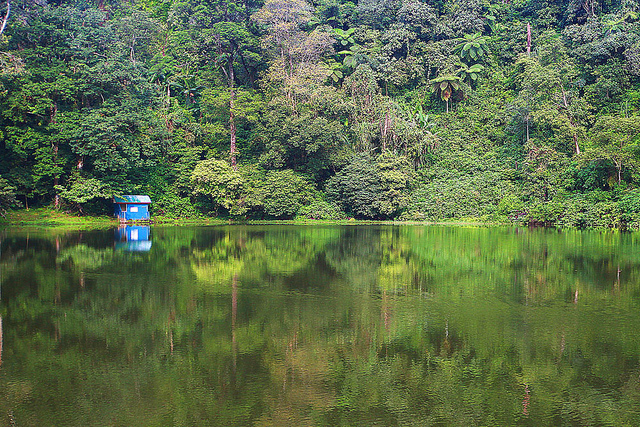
(6, 17)
(249, 72)
(56, 198)
(232, 121)
(386, 125)
(528, 39)
(571, 120)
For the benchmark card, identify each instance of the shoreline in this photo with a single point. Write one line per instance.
(43, 218)
(47, 218)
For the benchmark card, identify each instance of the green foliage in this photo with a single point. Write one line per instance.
(220, 183)
(372, 188)
(135, 97)
(284, 193)
(343, 37)
(171, 205)
(472, 47)
(7, 196)
(545, 173)
(445, 86)
(629, 207)
(545, 213)
(596, 209)
(82, 190)
(455, 195)
(511, 207)
(470, 73)
(298, 141)
(319, 209)
(617, 139)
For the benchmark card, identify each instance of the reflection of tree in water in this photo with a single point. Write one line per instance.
(404, 325)
(355, 256)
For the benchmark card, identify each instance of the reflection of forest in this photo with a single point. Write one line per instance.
(284, 325)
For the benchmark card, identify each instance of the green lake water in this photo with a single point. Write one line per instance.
(319, 325)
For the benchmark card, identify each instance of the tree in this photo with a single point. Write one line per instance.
(549, 100)
(136, 30)
(295, 68)
(472, 47)
(445, 86)
(343, 37)
(81, 190)
(353, 57)
(230, 40)
(222, 184)
(469, 73)
(284, 193)
(372, 188)
(304, 141)
(187, 86)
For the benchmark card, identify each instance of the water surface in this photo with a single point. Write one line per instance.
(329, 325)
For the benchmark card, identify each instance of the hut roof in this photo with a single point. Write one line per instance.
(132, 199)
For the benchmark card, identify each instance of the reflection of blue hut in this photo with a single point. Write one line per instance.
(133, 238)
(131, 208)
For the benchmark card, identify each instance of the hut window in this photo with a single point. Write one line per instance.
(133, 209)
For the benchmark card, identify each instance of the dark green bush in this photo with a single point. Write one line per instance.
(284, 192)
(629, 208)
(320, 209)
(545, 213)
(372, 188)
(7, 196)
(455, 196)
(173, 206)
(588, 210)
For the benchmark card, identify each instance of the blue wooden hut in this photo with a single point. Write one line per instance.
(131, 208)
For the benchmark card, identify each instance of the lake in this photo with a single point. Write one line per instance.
(288, 325)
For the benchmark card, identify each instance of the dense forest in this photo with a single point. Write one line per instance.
(522, 110)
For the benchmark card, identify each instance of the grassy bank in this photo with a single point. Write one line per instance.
(44, 217)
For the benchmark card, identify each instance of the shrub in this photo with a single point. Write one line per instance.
(80, 191)
(172, 205)
(219, 183)
(284, 192)
(583, 211)
(371, 188)
(546, 213)
(320, 209)
(7, 196)
(452, 195)
(629, 208)
(511, 207)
